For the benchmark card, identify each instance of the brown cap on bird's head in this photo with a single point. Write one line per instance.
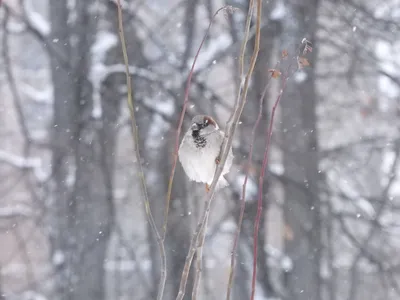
(204, 121)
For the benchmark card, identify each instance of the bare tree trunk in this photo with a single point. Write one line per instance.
(62, 151)
(82, 164)
(299, 143)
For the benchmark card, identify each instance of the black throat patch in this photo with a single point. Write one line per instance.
(199, 141)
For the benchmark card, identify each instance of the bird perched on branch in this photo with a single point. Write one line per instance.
(199, 152)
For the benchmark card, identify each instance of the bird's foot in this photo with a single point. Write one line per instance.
(207, 188)
(217, 160)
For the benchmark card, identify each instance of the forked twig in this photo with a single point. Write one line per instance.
(226, 145)
(200, 242)
(163, 276)
(243, 198)
(178, 133)
(260, 192)
(262, 175)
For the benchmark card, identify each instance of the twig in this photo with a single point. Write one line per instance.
(199, 261)
(375, 224)
(185, 103)
(260, 193)
(226, 145)
(163, 276)
(200, 242)
(261, 179)
(186, 269)
(243, 199)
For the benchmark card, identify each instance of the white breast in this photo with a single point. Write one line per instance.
(199, 163)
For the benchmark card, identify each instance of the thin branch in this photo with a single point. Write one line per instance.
(243, 198)
(200, 242)
(375, 224)
(185, 103)
(186, 268)
(226, 145)
(149, 215)
(199, 262)
(261, 180)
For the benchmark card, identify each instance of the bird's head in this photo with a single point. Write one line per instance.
(203, 125)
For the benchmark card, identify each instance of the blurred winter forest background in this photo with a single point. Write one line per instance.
(72, 221)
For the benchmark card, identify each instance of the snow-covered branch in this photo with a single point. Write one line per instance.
(34, 163)
(15, 211)
(36, 20)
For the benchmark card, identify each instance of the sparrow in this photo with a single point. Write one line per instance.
(199, 152)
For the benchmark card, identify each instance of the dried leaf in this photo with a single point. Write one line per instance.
(229, 10)
(275, 73)
(302, 62)
(285, 54)
(307, 46)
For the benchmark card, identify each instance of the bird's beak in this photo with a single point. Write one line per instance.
(195, 127)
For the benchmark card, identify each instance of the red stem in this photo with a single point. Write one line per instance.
(178, 133)
(260, 189)
(243, 199)
(264, 167)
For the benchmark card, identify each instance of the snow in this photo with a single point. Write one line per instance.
(34, 163)
(103, 43)
(70, 180)
(259, 292)
(385, 53)
(279, 11)
(207, 54)
(36, 20)
(99, 71)
(286, 263)
(102, 71)
(300, 76)
(122, 265)
(381, 11)
(152, 177)
(211, 263)
(15, 211)
(387, 162)
(58, 258)
(40, 96)
(164, 106)
(228, 226)
(347, 188)
(386, 166)
(120, 194)
(146, 264)
(278, 258)
(32, 295)
(277, 168)
(251, 187)
(156, 131)
(366, 207)
(15, 26)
